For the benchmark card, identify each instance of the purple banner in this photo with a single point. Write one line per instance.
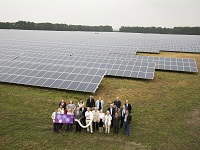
(64, 118)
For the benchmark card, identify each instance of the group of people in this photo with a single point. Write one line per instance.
(116, 116)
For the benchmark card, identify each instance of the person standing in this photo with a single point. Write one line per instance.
(60, 111)
(123, 112)
(108, 120)
(89, 117)
(99, 104)
(95, 119)
(78, 115)
(101, 120)
(53, 117)
(69, 125)
(80, 103)
(83, 110)
(63, 103)
(90, 102)
(111, 109)
(127, 120)
(116, 120)
(71, 105)
(117, 102)
(128, 106)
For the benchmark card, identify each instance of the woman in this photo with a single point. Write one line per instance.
(108, 120)
(69, 125)
(80, 103)
(101, 121)
(71, 106)
(61, 111)
(53, 117)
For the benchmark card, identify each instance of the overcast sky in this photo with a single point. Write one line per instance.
(164, 13)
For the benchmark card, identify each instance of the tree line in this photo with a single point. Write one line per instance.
(26, 25)
(159, 30)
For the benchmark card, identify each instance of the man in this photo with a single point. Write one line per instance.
(117, 102)
(99, 104)
(123, 112)
(127, 120)
(63, 104)
(90, 102)
(128, 106)
(89, 117)
(116, 120)
(111, 109)
(95, 119)
(78, 115)
(83, 110)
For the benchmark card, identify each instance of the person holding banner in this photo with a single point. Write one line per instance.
(89, 117)
(69, 125)
(53, 117)
(61, 111)
(78, 115)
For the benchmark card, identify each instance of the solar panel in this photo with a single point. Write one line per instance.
(62, 80)
(79, 60)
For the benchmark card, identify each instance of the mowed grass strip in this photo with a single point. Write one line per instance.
(166, 113)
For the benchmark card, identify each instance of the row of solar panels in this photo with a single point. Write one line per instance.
(79, 61)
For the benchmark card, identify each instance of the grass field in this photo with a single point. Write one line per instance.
(166, 113)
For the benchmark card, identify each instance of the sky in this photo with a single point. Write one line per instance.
(117, 13)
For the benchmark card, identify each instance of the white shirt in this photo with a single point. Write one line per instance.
(61, 111)
(80, 105)
(88, 115)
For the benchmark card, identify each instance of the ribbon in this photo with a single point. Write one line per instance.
(91, 119)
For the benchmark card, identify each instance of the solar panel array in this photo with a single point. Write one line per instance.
(79, 60)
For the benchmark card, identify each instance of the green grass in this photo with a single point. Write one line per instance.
(166, 114)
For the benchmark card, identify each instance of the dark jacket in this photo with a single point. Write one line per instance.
(63, 105)
(113, 111)
(128, 120)
(83, 112)
(117, 103)
(129, 107)
(116, 120)
(121, 113)
(90, 104)
(78, 116)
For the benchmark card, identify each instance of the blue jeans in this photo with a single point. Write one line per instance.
(126, 128)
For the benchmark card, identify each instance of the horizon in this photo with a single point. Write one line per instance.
(115, 13)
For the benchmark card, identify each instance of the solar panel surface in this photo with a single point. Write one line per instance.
(79, 60)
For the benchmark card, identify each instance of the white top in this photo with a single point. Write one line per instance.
(102, 116)
(53, 116)
(61, 111)
(80, 105)
(108, 119)
(88, 115)
(69, 113)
